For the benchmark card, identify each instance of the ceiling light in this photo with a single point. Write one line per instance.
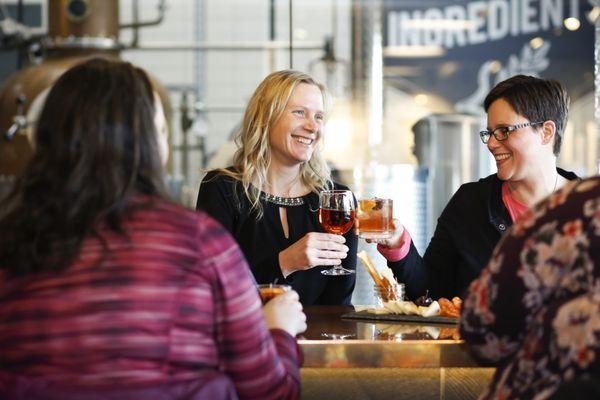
(572, 23)
(495, 66)
(536, 42)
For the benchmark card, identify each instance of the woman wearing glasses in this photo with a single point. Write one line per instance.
(526, 122)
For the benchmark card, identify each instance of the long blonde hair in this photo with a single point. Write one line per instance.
(252, 159)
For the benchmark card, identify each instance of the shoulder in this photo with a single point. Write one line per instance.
(220, 176)
(151, 215)
(194, 237)
(481, 187)
(472, 198)
(211, 235)
(211, 239)
(586, 191)
(488, 181)
(570, 212)
(163, 210)
(219, 183)
(219, 255)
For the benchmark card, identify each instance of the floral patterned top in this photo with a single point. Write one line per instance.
(535, 309)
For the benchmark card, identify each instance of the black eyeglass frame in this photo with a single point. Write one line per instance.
(502, 133)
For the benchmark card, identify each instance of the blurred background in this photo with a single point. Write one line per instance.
(407, 76)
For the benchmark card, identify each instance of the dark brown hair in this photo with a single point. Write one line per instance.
(96, 146)
(535, 99)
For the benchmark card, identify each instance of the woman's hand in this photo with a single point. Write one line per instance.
(285, 312)
(395, 240)
(315, 248)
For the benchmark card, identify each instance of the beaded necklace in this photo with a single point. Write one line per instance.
(282, 201)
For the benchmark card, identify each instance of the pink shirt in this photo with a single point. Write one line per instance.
(514, 207)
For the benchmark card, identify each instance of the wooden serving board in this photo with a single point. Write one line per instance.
(366, 315)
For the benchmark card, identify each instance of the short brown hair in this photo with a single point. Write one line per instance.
(535, 99)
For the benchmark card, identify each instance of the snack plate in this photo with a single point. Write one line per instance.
(372, 316)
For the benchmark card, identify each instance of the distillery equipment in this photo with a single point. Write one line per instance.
(77, 29)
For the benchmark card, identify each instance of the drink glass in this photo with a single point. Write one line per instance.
(389, 293)
(336, 215)
(269, 290)
(374, 218)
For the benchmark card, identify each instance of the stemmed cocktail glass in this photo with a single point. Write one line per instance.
(336, 215)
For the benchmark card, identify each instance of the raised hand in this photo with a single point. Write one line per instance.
(395, 240)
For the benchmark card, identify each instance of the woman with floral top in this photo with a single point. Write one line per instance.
(535, 309)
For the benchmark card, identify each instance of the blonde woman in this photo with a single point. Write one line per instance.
(269, 197)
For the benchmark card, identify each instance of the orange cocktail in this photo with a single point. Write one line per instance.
(269, 290)
(374, 218)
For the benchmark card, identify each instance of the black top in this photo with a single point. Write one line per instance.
(466, 233)
(262, 240)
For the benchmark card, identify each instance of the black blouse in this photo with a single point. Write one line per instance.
(262, 240)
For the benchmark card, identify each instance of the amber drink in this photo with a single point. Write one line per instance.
(269, 290)
(336, 215)
(335, 221)
(374, 218)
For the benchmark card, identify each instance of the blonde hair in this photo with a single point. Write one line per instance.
(252, 159)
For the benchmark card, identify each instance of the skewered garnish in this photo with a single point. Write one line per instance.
(385, 283)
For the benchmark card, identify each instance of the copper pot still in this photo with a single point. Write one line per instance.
(77, 29)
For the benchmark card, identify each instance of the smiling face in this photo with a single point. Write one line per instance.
(521, 155)
(295, 134)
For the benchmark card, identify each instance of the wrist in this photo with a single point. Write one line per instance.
(399, 250)
(285, 268)
(400, 239)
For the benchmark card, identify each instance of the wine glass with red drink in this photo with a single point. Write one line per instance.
(336, 215)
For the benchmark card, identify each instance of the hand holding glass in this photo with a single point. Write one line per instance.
(336, 215)
(374, 218)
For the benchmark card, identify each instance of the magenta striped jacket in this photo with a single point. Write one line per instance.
(167, 304)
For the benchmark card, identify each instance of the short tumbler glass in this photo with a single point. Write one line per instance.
(269, 290)
(374, 218)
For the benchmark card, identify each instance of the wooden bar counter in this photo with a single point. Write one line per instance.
(359, 359)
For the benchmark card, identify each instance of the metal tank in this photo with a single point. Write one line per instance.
(77, 29)
(449, 153)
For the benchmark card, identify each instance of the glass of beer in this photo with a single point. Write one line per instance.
(336, 215)
(374, 218)
(269, 290)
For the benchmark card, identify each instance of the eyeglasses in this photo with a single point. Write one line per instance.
(502, 133)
